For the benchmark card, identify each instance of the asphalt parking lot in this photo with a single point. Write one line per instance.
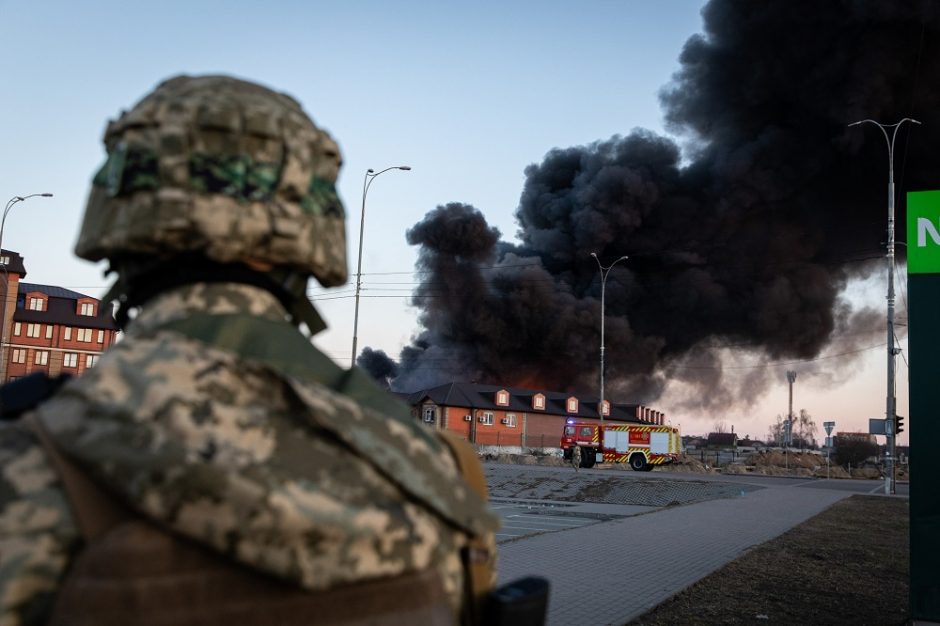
(533, 501)
(522, 519)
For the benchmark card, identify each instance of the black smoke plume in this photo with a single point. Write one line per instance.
(378, 365)
(740, 239)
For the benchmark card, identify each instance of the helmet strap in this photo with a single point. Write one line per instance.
(139, 281)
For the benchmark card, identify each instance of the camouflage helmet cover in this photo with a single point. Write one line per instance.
(221, 167)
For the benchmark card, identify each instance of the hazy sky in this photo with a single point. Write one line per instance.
(466, 94)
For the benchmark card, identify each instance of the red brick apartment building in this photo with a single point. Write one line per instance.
(507, 416)
(48, 329)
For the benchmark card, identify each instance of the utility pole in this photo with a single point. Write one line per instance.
(791, 377)
(890, 401)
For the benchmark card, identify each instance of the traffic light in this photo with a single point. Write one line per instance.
(898, 424)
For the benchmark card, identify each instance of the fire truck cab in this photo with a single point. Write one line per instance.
(643, 446)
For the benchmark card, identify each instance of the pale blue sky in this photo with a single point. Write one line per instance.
(468, 94)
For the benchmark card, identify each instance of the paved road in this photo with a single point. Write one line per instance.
(613, 548)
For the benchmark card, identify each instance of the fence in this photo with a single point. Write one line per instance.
(517, 440)
(717, 458)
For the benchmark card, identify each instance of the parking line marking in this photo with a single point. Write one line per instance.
(565, 519)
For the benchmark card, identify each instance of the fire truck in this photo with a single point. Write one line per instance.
(643, 446)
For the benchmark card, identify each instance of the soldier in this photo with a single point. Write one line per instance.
(214, 466)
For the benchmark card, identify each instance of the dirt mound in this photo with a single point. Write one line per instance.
(776, 458)
(835, 471)
(686, 464)
(771, 463)
(866, 472)
(525, 459)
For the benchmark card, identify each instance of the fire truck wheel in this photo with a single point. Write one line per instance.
(587, 458)
(638, 463)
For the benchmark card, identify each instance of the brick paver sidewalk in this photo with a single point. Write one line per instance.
(612, 572)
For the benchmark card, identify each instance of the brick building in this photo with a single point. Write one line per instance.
(494, 415)
(46, 328)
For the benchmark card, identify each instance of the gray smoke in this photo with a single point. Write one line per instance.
(740, 239)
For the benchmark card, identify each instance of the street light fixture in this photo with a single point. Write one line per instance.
(3, 309)
(891, 404)
(366, 183)
(604, 272)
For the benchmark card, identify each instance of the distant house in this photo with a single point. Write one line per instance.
(497, 415)
(856, 436)
(48, 329)
(722, 441)
(694, 442)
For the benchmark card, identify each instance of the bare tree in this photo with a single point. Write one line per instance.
(720, 427)
(775, 431)
(807, 427)
(853, 451)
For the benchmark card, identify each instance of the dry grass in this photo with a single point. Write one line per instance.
(847, 565)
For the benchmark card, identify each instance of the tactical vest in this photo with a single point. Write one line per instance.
(131, 571)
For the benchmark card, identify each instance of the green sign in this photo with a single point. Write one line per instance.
(923, 232)
(923, 338)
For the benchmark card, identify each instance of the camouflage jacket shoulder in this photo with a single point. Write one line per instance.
(37, 531)
(285, 475)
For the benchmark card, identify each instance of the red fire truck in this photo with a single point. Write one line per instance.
(643, 446)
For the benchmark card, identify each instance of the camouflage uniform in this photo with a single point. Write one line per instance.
(278, 472)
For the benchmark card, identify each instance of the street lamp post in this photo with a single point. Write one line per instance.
(891, 405)
(3, 309)
(791, 378)
(366, 183)
(604, 272)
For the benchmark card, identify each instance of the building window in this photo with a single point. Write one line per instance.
(91, 360)
(42, 357)
(100, 336)
(84, 334)
(538, 402)
(4, 260)
(32, 330)
(486, 418)
(605, 408)
(49, 331)
(16, 329)
(572, 405)
(88, 309)
(68, 333)
(502, 398)
(429, 414)
(19, 356)
(70, 359)
(510, 420)
(35, 304)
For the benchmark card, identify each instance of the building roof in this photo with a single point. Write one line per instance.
(15, 266)
(722, 439)
(480, 396)
(52, 292)
(62, 309)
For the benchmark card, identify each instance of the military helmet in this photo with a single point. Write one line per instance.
(220, 167)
